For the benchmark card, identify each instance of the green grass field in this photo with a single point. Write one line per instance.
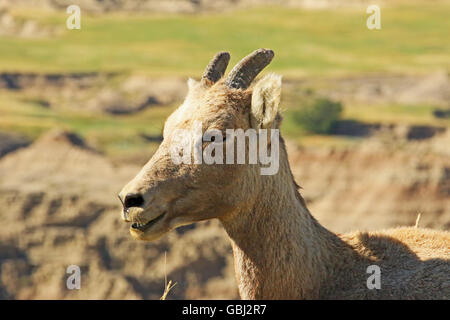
(414, 39)
(110, 134)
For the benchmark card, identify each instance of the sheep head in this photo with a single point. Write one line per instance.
(177, 187)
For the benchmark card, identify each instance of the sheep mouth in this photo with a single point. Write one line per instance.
(148, 225)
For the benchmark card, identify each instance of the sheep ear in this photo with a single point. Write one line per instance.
(266, 103)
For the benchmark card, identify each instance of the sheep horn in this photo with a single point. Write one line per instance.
(245, 71)
(216, 67)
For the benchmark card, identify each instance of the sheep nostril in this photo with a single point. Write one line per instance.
(133, 200)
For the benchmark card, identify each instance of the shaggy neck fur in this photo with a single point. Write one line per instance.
(280, 250)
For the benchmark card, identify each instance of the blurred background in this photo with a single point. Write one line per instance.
(366, 119)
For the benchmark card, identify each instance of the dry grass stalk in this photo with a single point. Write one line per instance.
(417, 220)
(167, 286)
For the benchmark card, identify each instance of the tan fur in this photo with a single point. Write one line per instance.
(280, 250)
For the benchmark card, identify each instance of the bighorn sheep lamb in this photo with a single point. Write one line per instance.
(280, 250)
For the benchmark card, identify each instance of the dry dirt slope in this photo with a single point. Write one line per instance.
(178, 6)
(59, 208)
(384, 181)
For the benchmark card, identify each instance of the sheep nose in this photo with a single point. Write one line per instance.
(133, 200)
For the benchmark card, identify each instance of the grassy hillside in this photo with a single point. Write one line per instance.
(323, 43)
(413, 38)
(109, 133)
